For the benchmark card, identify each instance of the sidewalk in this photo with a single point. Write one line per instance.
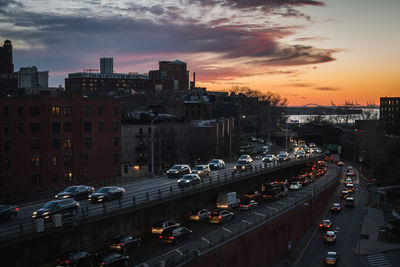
(370, 230)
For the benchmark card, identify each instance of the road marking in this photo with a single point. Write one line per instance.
(206, 240)
(260, 214)
(180, 252)
(275, 209)
(247, 222)
(226, 229)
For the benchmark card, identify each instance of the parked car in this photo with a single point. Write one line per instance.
(178, 171)
(107, 193)
(159, 226)
(325, 224)
(8, 212)
(330, 237)
(113, 259)
(199, 215)
(220, 216)
(188, 180)
(336, 207)
(175, 234)
(246, 158)
(243, 165)
(269, 158)
(124, 243)
(332, 258)
(201, 170)
(76, 258)
(216, 164)
(76, 192)
(65, 207)
(247, 204)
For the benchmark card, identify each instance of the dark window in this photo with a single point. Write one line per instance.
(67, 111)
(56, 127)
(6, 163)
(68, 160)
(20, 111)
(35, 111)
(149, 131)
(87, 111)
(35, 127)
(35, 179)
(54, 178)
(116, 157)
(116, 110)
(56, 111)
(126, 168)
(115, 125)
(100, 111)
(85, 175)
(100, 126)
(67, 127)
(6, 146)
(6, 127)
(20, 127)
(56, 143)
(67, 143)
(7, 180)
(140, 130)
(87, 126)
(85, 159)
(35, 144)
(5, 111)
(116, 141)
(87, 142)
(35, 162)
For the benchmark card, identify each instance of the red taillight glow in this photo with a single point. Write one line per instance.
(328, 226)
(220, 217)
(16, 209)
(58, 260)
(67, 261)
(102, 263)
(171, 237)
(209, 216)
(160, 236)
(320, 225)
(120, 244)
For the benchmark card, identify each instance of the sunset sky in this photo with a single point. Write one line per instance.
(308, 51)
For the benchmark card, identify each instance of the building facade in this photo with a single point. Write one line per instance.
(390, 115)
(30, 77)
(171, 75)
(106, 65)
(8, 79)
(52, 142)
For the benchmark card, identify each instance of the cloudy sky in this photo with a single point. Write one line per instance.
(310, 51)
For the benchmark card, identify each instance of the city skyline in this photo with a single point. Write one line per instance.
(307, 51)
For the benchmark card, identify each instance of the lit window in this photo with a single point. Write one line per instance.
(56, 110)
(68, 176)
(35, 162)
(54, 161)
(67, 143)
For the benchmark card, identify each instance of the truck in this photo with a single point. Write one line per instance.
(274, 190)
(227, 200)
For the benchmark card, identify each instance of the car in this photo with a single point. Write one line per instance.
(300, 154)
(159, 226)
(106, 194)
(76, 192)
(340, 163)
(65, 207)
(216, 164)
(188, 180)
(349, 188)
(247, 204)
(332, 258)
(325, 224)
(199, 215)
(242, 165)
(336, 207)
(113, 259)
(201, 170)
(220, 216)
(246, 158)
(178, 171)
(307, 150)
(283, 156)
(295, 186)
(312, 145)
(330, 237)
(348, 181)
(351, 173)
(76, 258)
(349, 202)
(175, 234)
(8, 212)
(269, 158)
(344, 194)
(124, 243)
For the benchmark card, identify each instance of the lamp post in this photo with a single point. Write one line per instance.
(152, 145)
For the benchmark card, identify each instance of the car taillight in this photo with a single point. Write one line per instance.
(58, 260)
(67, 261)
(241, 205)
(328, 226)
(220, 217)
(209, 216)
(16, 209)
(170, 237)
(160, 236)
(320, 225)
(120, 244)
(102, 263)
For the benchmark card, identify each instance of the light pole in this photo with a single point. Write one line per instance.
(152, 145)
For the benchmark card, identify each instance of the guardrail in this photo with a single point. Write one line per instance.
(131, 202)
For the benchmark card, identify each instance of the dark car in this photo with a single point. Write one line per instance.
(178, 171)
(159, 226)
(113, 259)
(325, 225)
(216, 164)
(344, 194)
(76, 192)
(349, 202)
(330, 237)
(199, 215)
(283, 156)
(243, 165)
(175, 234)
(188, 180)
(247, 204)
(107, 193)
(220, 216)
(65, 207)
(76, 258)
(331, 258)
(123, 243)
(8, 212)
(336, 207)
(201, 170)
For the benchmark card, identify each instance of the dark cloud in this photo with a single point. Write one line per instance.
(326, 89)
(258, 3)
(288, 12)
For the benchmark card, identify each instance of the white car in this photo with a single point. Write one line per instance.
(247, 158)
(269, 158)
(295, 186)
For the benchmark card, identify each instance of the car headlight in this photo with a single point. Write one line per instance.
(66, 196)
(34, 213)
(45, 213)
(243, 167)
(56, 196)
(101, 196)
(187, 181)
(235, 167)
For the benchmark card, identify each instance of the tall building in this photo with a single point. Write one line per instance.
(52, 142)
(31, 77)
(8, 79)
(390, 115)
(171, 75)
(106, 65)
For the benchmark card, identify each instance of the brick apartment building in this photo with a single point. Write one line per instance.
(51, 142)
(171, 75)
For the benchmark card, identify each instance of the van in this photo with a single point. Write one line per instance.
(227, 200)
